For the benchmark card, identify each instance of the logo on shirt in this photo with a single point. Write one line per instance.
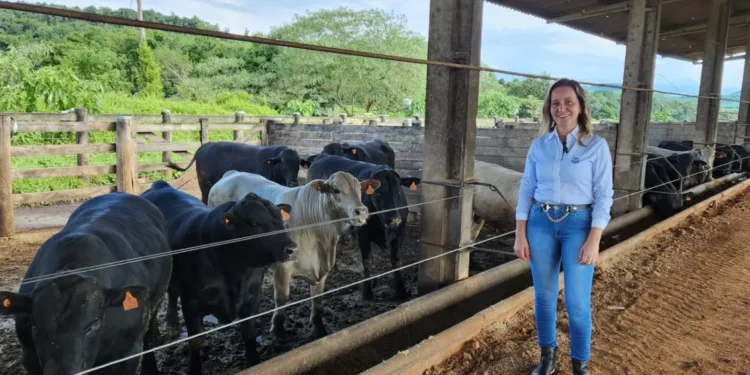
(575, 160)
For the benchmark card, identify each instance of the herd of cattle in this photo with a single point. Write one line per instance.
(213, 253)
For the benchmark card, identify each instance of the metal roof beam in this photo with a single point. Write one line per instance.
(738, 20)
(592, 12)
(601, 11)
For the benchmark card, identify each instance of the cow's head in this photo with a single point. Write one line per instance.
(67, 318)
(353, 152)
(664, 198)
(386, 197)
(333, 148)
(252, 216)
(287, 165)
(344, 193)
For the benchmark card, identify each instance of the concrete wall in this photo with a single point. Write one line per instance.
(506, 146)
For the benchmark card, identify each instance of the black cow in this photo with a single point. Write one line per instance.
(224, 280)
(663, 196)
(375, 151)
(279, 164)
(689, 167)
(386, 229)
(74, 322)
(726, 157)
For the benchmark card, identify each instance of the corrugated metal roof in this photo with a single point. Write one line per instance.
(682, 23)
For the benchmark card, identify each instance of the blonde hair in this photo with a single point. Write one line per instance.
(585, 128)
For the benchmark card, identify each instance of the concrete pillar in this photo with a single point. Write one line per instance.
(744, 114)
(450, 141)
(707, 119)
(635, 109)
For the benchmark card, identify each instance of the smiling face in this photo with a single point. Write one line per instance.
(564, 108)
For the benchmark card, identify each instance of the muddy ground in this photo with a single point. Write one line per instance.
(677, 304)
(223, 351)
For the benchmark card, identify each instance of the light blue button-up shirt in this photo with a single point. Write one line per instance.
(583, 175)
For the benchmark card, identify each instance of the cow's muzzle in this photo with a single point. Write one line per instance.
(359, 216)
(291, 253)
(394, 222)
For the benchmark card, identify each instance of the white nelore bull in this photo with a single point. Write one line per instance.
(318, 201)
(489, 205)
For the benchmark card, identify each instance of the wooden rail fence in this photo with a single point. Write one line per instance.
(131, 138)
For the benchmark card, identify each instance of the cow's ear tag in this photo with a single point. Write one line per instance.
(226, 220)
(129, 302)
(413, 186)
(6, 303)
(284, 215)
(268, 162)
(354, 151)
(369, 190)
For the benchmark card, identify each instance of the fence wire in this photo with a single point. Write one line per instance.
(330, 291)
(282, 43)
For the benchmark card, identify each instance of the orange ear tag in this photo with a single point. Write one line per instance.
(284, 215)
(413, 186)
(129, 302)
(369, 190)
(6, 303)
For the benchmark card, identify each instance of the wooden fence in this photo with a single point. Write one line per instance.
(498, 142)
(131, 138)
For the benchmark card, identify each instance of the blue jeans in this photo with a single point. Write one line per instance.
(550, 244)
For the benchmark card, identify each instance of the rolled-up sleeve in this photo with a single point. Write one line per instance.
(528, 185)
(602, 186)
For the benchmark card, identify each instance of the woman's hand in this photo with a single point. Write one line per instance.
(521, 246)
(589, 252)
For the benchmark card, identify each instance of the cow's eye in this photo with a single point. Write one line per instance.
(93, 325)
(336, 191)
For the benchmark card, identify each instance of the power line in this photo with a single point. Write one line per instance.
(282, 43)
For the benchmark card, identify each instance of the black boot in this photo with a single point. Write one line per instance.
(547, 362)
(580, 367)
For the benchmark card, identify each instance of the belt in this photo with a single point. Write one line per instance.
(564, 207)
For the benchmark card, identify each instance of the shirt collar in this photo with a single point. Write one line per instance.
(571, 138)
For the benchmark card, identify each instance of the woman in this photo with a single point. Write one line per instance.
(563, 207)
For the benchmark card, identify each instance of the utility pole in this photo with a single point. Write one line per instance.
(140, 18)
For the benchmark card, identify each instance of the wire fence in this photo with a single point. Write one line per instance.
(305, 46)
(224, 35)
(330, 291)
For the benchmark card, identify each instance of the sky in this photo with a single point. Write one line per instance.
(510, 40)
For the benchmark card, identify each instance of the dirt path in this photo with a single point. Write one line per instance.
(679, 304)
(55, 216)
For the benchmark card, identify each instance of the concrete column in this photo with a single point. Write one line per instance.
(635, 108)
(707, 119)
(744, 114)
(449, 139)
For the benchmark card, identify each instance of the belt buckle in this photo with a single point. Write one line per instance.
(545, 207)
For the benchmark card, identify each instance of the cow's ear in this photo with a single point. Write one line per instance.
(369, 186)
(273, 161)
(14, 303)
(304, 163)
(320, 186)
(128, 298)
(411, 182)
(227, 220)
(285, 210)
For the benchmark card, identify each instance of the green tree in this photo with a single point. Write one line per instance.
(147, 78)
(348, 83)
